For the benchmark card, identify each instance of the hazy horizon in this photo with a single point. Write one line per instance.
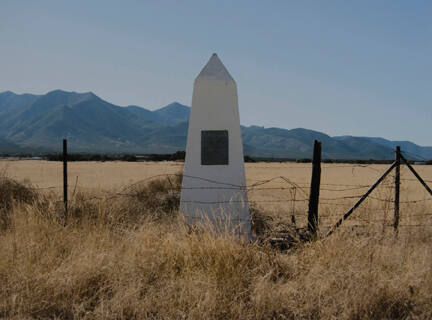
(360, 69)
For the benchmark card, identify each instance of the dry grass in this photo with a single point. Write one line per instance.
(11, 192)
(130, 257)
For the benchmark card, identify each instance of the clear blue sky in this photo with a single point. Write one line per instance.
(341, 67)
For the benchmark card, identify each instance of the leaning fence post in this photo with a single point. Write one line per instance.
(355, 206)
(416, 175)
(397, 189)
(315, 188)
(65, 176)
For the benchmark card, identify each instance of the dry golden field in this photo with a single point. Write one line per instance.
(343, 182)
(131, 257)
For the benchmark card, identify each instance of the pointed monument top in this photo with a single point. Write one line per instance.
(215, 69)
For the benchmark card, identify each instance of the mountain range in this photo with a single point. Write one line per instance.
(37, 124)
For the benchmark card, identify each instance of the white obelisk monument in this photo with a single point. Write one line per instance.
(214, 185)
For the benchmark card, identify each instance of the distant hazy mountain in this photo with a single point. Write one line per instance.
(38, 123)
(410, 148)
(275, 142)
(174, 113)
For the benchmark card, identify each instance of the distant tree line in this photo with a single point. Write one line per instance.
(89, 157)
(180, 156)
(308, 160)
(177, 156)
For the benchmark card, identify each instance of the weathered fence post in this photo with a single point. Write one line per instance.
(65, 176)
(397, 189)
(315, 188)
(293, 193)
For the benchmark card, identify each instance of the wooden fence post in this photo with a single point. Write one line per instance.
(65, 176)
(397, 189)
(314, 190)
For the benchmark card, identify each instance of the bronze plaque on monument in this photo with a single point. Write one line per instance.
(214, 147)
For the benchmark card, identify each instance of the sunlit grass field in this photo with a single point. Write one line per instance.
(341, 186)
(132, 257)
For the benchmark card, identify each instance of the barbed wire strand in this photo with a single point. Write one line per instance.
(258, 186)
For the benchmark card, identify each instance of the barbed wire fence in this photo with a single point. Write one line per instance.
(303, 203)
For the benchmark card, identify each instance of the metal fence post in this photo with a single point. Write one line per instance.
(355, 206)
(416, 174)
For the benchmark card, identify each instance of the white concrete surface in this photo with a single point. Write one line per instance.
(215, 192)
